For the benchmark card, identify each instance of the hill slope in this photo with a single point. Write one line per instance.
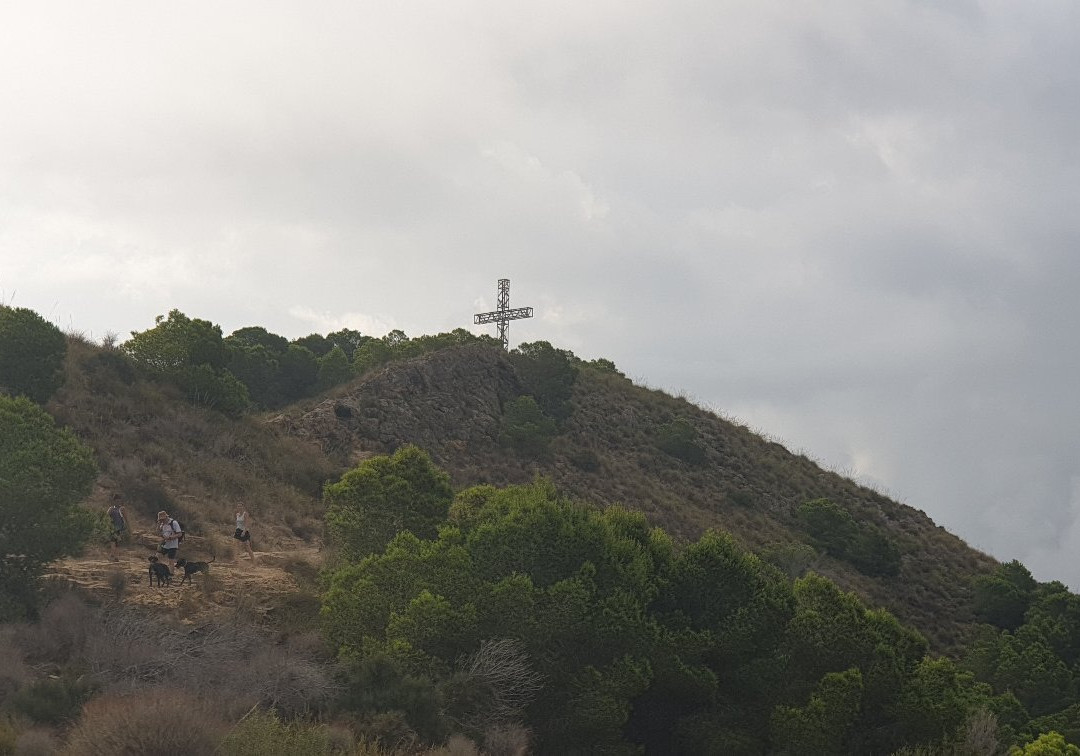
(449, 404)
(161, 453)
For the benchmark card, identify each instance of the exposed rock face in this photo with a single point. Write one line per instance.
(441, 401)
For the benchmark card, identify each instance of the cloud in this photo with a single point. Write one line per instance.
(850, 224)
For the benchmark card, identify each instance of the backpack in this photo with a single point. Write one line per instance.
(180, 536)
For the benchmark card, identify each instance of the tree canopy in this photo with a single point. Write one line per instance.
(44, 473)
(31, 354)
(639, 643)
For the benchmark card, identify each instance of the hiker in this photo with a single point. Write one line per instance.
(119, 522)
(170, 534)
(242, 534)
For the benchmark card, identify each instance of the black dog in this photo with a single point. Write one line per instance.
(162, 571)
(190, 568)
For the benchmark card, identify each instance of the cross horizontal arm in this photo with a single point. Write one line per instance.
(500, 315)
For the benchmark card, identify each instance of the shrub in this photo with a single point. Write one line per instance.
(108, 372)
(45, 471)
(263, 734)
(60, 635)
(383, 496)
(874, 553)
(53, 701)
(830, 526)
(793, 559)
(679, 439)
(32, 354)
(1003, 598)
(214, 388)
(140, 488)
(154, 722)
(584, 459)
(832, 529)
(548, 374)
(525, 426)
(8, 738)
(36, 743)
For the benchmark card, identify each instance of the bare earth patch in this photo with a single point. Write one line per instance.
(232, 583)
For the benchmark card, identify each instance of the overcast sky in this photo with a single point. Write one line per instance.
(851, 224)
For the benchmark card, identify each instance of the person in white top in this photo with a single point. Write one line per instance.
(242, 532)
(170, 534)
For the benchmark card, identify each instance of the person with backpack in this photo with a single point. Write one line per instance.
(171, 534)
(119, 522)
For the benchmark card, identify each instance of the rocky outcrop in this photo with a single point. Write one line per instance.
(441, 401)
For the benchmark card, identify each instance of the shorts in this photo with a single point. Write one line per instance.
(170, 553)
(241, 535)
(117, 536)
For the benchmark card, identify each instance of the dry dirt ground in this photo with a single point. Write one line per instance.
(233, 582)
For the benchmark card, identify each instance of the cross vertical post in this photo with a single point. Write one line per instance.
(503, 314)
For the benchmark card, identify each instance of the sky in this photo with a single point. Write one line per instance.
(850, 225)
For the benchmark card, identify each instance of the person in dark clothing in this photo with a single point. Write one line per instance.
(119, 526)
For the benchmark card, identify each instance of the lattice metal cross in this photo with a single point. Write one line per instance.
(503, 314)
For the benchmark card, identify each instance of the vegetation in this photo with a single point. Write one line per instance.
(679, 439)
(32, 354)
(637, 643)
(832, 529)
(510, 616)
(384, 496)
(44, 473)
(526, 428)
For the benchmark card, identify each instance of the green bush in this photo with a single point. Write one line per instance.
(832, 529)
(679, 439)
(383, 496)
(1002, 599)
(548, 375)
(45, 472)
(874, 553)
(214, 388)
(32, 354)
(52, 701)
(526, 428)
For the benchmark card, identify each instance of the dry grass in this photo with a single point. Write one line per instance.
(154, 722)
(37, 742)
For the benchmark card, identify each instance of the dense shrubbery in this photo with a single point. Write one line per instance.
(31, 354)
(44, 473)
(635, 642)
(679, 439)
(383, 496)
(526, 428)
(253, 367)
(547, 375)
(833, 530)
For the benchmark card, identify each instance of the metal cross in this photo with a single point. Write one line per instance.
(503, 314)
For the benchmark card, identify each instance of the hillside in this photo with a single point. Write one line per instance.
(160, 452)
(676, 642)
(449, 403)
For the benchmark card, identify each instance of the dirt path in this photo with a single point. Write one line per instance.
(231, 584)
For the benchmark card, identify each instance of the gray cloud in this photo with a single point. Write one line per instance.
(850, 225)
